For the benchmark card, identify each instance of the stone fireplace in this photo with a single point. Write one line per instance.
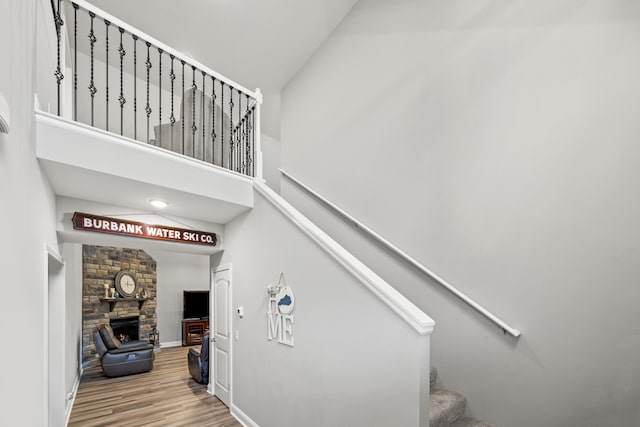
(100, 265)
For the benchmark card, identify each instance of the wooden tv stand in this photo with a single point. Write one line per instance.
(193, 331)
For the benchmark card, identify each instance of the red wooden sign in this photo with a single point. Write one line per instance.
(123, 227)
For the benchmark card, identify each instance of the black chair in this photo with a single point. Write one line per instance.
(198, 361)
(117, 358)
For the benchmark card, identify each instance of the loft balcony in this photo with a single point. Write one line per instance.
(122, 118)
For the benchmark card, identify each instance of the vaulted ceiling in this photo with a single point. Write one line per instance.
(257, 43)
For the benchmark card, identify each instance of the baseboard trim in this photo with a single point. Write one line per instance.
(70, 402)
(242, 417)
(170, 344)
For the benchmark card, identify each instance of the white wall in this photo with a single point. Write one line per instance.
(355, 362)
(177, 272)
(26, 225)
(496, 142)
(46, 59)
(271, 153)
(270, 120)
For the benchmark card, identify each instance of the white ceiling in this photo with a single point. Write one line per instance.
(257, 43)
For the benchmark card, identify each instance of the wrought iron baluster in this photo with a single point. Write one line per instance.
(253, 141)
(238, 145)
(148, 107)
(204, 138)
(204, 157)
(58, 73)
(246, 139)
(194, 128)
(182, 110)
(135, 86)
(121, 99)
(92, 86)
(222, 123)
(159, 135)
(106, 31)
(235, 137)
(245, 136)
(75, 60)
(248, 145)
(231, 148)
(213, 120)
(172, 119)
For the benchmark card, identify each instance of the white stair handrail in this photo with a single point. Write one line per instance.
(368, 231)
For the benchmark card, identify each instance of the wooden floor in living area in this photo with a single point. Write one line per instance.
(166, 396)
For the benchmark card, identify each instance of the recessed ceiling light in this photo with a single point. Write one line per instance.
(160, 204)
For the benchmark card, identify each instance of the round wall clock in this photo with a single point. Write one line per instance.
(126, 283)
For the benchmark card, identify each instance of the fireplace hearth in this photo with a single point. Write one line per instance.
(126, 328)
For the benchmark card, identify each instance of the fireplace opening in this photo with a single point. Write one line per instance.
(126, 328)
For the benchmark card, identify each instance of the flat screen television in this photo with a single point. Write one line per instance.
(195, 304)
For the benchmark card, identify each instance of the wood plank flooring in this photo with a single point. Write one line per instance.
(166, 396)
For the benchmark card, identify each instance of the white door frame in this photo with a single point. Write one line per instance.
(54, 301)
(212, 365)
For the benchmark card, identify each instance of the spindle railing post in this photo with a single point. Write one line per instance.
(58, 73)
(231, 105)
(182, 110)
(213, 120)
(238, 145)
(202, 121)
(172, 119)
(135, 86)
(246, 137)
(222, 123)
(75, 60)
(121, 98)
(194, 128)
(257, 158)
(107, 23)
(252, 153)
(159, 136)
(148, 107)
(92, 86)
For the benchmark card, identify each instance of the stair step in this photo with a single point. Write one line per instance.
(433, 374)
(470, 422)
(446, 407)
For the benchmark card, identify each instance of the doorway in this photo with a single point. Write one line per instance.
(221, 343)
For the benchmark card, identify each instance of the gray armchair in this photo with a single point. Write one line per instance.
(118, 359)
(198, 361)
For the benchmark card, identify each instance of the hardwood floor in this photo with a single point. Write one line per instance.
(166, 396)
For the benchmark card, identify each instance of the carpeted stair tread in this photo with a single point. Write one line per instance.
(470, 422)
(445, 407)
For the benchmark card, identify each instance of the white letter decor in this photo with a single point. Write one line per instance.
(279, 318)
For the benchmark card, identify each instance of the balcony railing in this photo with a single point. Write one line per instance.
(123, 81)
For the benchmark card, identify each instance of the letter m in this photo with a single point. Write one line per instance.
(275, 327)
